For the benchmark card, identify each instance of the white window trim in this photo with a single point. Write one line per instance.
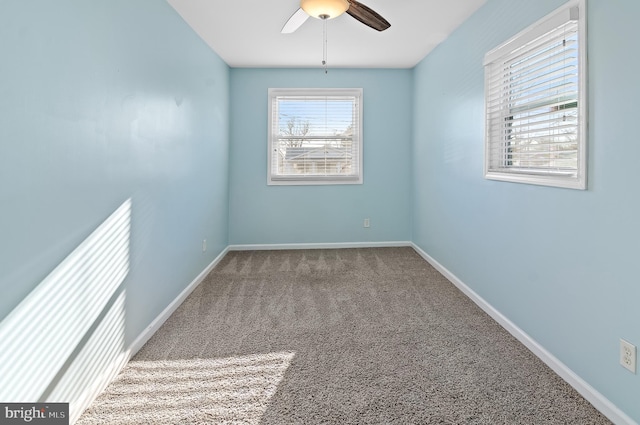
(553, 20)
(314, 180)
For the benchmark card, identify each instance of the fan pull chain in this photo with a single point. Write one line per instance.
(324, 41)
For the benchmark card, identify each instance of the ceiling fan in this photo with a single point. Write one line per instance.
(329, 9)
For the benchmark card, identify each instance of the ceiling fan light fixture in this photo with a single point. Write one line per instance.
(324, 9)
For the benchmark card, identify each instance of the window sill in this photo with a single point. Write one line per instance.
(556, 180)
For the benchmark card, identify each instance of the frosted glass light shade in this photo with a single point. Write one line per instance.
(330, 8)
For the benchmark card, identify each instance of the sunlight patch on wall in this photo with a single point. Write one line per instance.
(96, 364)
(45, 336)
(227, 390)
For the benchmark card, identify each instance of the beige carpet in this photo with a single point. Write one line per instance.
(353, 336)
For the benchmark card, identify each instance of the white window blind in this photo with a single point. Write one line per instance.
(536, 103)
(315, 136)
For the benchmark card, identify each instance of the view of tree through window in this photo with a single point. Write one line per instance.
(315, 136)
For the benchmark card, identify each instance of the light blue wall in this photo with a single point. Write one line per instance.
(561, 264)
(102, 104)
(261, 214)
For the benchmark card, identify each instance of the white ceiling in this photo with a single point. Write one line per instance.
(246, 33)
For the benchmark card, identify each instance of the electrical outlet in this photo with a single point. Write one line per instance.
(204, 245)
(628, 355)
(366, 223)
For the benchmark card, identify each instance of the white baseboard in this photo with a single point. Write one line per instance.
(98, 384)
(167, 312)
(337, 245)
(599, 401)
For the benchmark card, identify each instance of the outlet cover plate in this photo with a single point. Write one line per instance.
(628, 355)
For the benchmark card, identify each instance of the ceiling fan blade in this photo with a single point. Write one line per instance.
(295, 21)
(367, 16)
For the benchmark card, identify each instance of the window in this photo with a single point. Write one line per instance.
(535, 93)
(315, 136)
